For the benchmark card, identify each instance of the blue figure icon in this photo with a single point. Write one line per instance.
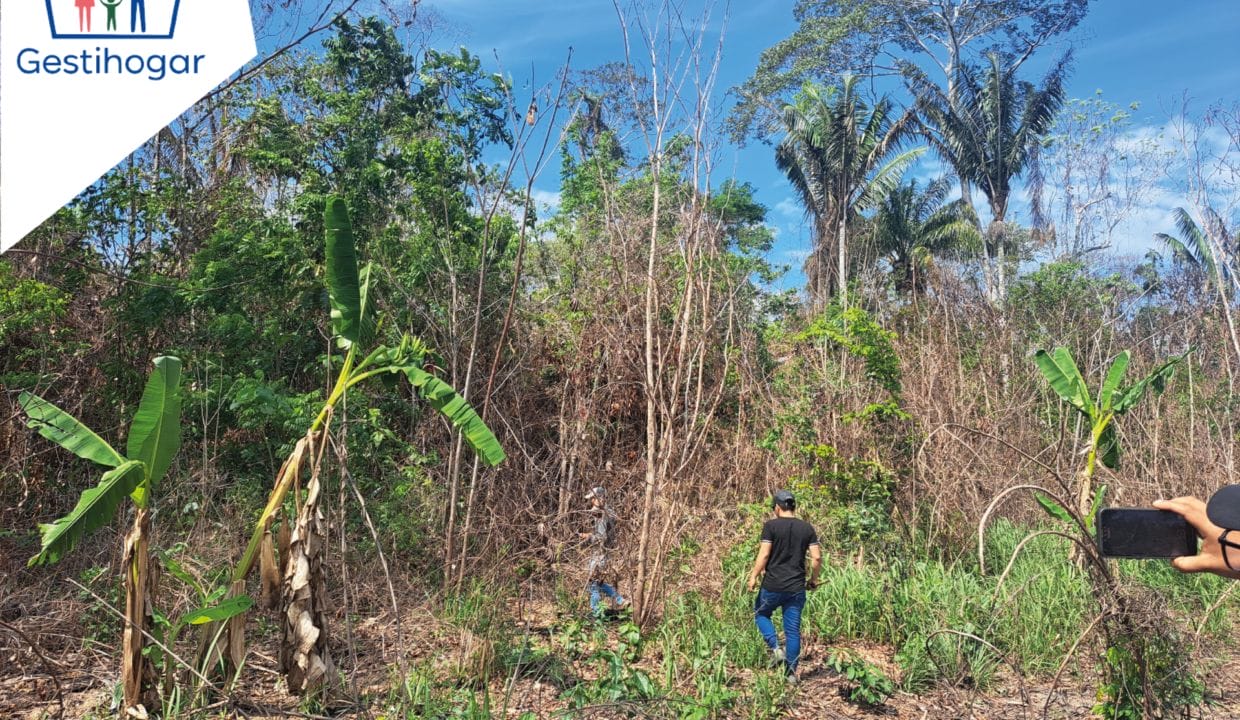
(137, 11)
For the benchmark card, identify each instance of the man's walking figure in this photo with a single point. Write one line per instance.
(781, 556)
(137, 11)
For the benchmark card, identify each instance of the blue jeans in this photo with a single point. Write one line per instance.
(791, 604)
(595, 600)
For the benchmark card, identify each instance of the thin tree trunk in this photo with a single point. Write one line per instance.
(997, 234)
(652, 439)
(1001, 263)
(474, 479)
(843, 262)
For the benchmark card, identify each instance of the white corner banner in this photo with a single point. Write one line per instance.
(83, 83)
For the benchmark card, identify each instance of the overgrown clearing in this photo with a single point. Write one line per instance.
(494, 651)
(399, 375)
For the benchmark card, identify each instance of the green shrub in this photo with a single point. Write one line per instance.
(867, 683)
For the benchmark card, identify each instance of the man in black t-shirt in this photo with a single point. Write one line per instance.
(785, 541)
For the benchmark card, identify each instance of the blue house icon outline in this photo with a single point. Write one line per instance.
(57, 35)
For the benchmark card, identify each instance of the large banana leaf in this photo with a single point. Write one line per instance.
(366, 313)
(155, 435)
(94, 509)
(1156, 381)
(1064, 377)
(443, 398)
(1118, 367)
(343, 286)
(67, 431)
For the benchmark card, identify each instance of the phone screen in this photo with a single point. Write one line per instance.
(1144, 533)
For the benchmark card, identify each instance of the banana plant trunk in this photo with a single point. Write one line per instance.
(1085, 491)
(235, 628)
(1085, 494)
(304, 656)
(137, 673)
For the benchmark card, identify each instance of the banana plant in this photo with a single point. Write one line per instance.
(353, 321)
(154, 438)
(212, 607)
(1099, 413)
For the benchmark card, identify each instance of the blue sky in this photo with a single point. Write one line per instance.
(1146, 51)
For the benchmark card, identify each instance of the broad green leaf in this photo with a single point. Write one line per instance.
(1118, 367)
(1099, 494)
(155, 435)
(1064, 360)
(1064, 378)
(67, 431)
(443, 398)
(343, 288)
(1053, 508)
(1108, 447)
(231, 607)
(175, 569)
(94, 509)
(1156, 381)
(366, 313)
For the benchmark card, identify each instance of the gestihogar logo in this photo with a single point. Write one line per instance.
(109, 20)
(85, 82)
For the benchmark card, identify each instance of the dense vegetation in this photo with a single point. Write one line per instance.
(634, 336)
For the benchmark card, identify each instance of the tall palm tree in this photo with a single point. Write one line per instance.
(1209, 254)
(841, 157)
(914, 223)
(990, 133)
(1194, 251)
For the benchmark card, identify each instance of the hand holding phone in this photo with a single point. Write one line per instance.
(1213, 556)
(1144, 533)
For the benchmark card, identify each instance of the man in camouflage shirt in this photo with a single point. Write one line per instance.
(601, 541)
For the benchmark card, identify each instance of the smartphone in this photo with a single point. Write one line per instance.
(1144, 533)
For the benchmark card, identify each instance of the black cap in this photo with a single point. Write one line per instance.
(784, 499)
(1224, 507)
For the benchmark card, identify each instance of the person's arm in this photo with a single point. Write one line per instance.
(1210, 557)
(598, 535)
(815, 564)
(759, 564)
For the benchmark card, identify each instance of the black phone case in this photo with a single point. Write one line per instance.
(1143, 533)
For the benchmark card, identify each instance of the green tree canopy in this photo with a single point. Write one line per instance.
(837, 37)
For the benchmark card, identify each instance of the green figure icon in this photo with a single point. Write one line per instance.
(111, 6)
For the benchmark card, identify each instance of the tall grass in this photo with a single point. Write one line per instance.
(932, 611)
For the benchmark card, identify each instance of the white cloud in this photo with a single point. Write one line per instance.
(548, 200)
(789, 208)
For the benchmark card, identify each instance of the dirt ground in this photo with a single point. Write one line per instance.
(45, 660)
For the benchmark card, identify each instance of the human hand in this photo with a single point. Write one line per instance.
(1210, 557)
(752, 584)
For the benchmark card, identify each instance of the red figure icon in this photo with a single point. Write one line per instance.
(84, 7)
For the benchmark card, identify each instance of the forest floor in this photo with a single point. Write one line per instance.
(85, 674)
